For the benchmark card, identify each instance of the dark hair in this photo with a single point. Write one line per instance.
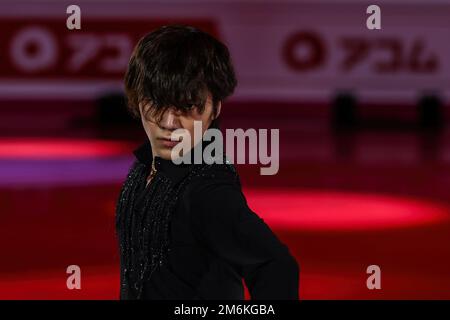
(177, 66)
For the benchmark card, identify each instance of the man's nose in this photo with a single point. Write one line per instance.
(170, 120)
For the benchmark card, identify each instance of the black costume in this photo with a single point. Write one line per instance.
(189, 234)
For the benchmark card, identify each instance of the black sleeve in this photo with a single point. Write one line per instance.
(230, 229)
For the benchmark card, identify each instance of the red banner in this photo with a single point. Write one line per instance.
(45, 49)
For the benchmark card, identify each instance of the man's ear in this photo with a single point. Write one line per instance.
(140, 108)
(218, 108)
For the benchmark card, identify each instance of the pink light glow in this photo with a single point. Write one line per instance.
(46, 148)
(306, 210)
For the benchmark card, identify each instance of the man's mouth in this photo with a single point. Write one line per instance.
(168, 143)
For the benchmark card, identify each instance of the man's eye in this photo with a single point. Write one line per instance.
(189, 107)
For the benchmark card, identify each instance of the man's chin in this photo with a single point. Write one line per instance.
(165, 153)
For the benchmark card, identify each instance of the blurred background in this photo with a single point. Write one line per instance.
(363, 115)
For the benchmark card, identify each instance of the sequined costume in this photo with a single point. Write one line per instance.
(189, 234)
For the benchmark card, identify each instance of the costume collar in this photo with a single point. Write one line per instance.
(173, 171)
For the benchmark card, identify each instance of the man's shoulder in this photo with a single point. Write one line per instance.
(219, 173)
(214, 177)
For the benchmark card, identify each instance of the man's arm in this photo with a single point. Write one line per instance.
(229, 228)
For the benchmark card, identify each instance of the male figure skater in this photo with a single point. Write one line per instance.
(185, 230)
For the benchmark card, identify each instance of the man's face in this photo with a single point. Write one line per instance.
(159, 133)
